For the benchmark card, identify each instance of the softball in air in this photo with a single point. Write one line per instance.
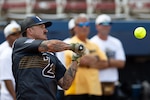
(140, 32)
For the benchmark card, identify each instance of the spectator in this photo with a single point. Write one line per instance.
(36, 69)
(2, 48)
(11, 32)
(60, 55)
(86, 84)
(71, 25)
(116, 57)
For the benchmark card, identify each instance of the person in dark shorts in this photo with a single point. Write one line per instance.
(37, 71)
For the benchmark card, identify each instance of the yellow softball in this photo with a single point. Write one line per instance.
(140, 32)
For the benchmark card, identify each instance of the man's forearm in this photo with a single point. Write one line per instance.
(69, 75)
(53, 46)
(58, 45)
(9, 86)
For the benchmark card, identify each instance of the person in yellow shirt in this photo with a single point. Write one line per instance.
(86, 85)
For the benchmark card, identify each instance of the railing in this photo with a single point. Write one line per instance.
(60, 9)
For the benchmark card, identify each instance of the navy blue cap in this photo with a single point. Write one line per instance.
(33, 21)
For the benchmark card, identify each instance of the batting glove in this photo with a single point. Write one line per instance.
(77, 48)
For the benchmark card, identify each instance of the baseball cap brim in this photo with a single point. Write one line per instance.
(47, 24)
(33, 21)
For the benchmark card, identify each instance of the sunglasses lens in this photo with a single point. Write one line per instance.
(87, 24)
(105, 23)
(82, 24)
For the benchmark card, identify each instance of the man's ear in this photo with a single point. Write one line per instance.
(29, 32)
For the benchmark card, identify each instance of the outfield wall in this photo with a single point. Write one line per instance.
(121, 29)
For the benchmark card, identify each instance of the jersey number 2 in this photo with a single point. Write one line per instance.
(48, 70)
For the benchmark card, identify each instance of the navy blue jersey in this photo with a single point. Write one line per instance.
(36, 74)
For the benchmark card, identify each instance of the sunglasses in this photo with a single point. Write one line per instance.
(106, 23)
(82, 24)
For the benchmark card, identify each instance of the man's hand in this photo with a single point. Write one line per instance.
(75, 57)
(79, 49)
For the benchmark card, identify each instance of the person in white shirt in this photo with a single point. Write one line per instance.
(114, 50)
(11, 32)
(2, 48)
(60, 55)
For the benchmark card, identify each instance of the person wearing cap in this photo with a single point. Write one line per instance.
(86, 84)
(2, 48)
(37, 71)
(11, 33)
(114, 50)
(71, 25)
(60, 55)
